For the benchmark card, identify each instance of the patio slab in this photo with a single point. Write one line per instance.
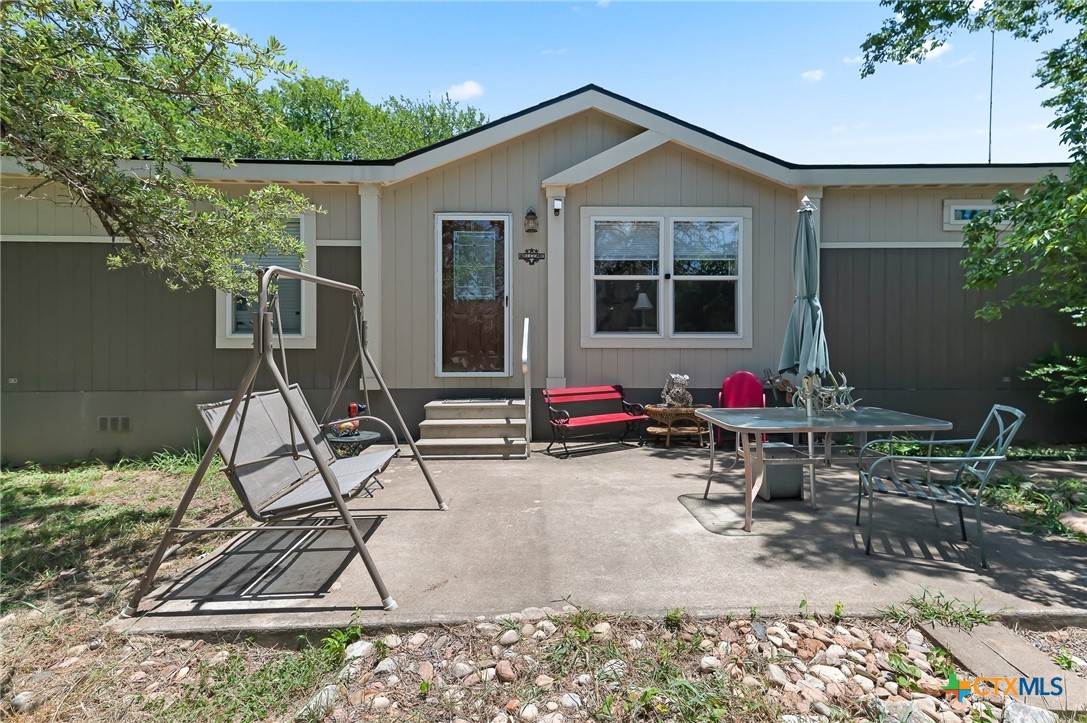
(622, 530)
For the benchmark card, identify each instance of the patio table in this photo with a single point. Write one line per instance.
(753, 424)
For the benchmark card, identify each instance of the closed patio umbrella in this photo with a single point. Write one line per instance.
(805, 347)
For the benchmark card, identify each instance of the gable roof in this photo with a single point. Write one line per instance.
(659, 128)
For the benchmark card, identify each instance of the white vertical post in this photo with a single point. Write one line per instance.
(556, 285)
(370, 213)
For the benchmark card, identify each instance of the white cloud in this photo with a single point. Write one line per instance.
(553, 51)
(1035, 127)
(812, 76)
(963, 61)
(855, 60)
(464, 91)
(932, 52)
(976, 5)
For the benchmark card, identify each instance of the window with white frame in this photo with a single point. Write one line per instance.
(960, 211)
(297, 301)
(666, 277)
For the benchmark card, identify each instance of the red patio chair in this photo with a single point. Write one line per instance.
(740, 390)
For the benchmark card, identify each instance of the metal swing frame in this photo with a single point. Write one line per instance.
(299, 415)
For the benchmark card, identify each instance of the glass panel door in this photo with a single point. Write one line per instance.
(473, 298)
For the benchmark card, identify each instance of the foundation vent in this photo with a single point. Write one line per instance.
(115, 424)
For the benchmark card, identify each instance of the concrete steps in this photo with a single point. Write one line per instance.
(474, 429)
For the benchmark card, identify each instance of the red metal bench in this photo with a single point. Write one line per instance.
(632, 415)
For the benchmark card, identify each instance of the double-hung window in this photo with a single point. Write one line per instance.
(666, 277)
(297, 301)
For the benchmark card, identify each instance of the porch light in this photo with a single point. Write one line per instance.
(556, 204)
(532, 224)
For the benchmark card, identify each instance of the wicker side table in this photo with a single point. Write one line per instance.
(670, 422)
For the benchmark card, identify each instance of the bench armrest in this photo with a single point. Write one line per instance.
(558, 416)
(633, 409)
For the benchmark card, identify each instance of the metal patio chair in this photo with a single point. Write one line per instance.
(879, 473)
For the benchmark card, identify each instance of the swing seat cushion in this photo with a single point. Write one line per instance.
(259, 451)
(352, 474)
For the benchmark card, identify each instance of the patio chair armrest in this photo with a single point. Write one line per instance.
(871, 469)
(926, 442)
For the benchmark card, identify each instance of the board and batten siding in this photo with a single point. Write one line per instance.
(890, 216)
(503, 179)
(70, 324)
(674, 176)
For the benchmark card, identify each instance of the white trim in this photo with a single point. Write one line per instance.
(607, 160)
(743, 339)
(891, 245)
(225, 339)
(554, 336)
(340, 242)
(370, 273)
(507, 366)
(53, 239)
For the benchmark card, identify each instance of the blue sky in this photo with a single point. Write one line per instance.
(777, 76)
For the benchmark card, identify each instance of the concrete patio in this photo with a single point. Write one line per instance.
(620, 530)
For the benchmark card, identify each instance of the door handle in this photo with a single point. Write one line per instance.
(507, 300)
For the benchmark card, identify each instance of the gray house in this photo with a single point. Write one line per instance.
(97, 363)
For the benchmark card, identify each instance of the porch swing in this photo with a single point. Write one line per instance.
(276, 454)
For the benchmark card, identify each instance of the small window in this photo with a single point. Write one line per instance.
(297, 301)
(290, 292)
(959, 212)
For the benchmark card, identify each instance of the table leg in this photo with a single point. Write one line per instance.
(754, 472)
(811, 469)
(668, 437)
(709, 477)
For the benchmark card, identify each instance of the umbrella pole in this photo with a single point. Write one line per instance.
(809, 388)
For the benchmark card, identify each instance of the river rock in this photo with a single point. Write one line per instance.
(828, 674)
(777, 675)
(529, 713)
(709, 664)
(462, 670)
(510, 637)
(359, 649)
(571, 701)
(425, 670)
(24, 702)
(1016, 712)
(602, 631)
(1074, 521)
(504, 671)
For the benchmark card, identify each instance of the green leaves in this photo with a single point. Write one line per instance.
(87, 87)
(318, 118)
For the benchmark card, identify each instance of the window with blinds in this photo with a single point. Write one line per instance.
(289, 291)
(665, 277)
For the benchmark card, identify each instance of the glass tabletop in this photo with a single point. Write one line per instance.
(790, 419)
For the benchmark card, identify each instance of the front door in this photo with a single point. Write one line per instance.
(472, 294)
